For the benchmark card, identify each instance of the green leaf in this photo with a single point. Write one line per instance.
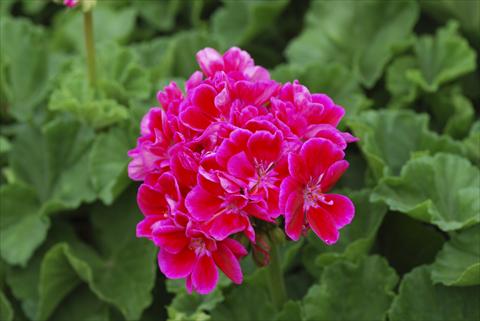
(238, 22)
(54, 161)
(333, 79)
(122, 272)
(291, 311)
(360, 35)
(458, 262)
(82, 304)
(442, 190)
(113, 25)
(26, 67)
(159, 14)
(250, 301)
(194, 306)
(5, 145)
(472, 142)
(441, 58)
(355, 240)
(6, 310)
(347, 291)
(419, 300)
(22, 228)
(108, 163)
(402, 90)
(389, 137)
(453, 111)
(465, 11)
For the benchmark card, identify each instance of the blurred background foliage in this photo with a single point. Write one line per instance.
(406, 73)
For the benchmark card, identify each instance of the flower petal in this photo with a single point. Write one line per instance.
(226, 224)
(204, 275)
(341, 209)
(288, 186)
(240, 166)
(151, 202)
(333, 174)
(210, 61)
(322, 224)
(236, 247)
(319, 154)
(265, 146)
(176, 266)
(228, 263)
(170, 238)
(294, 218)
(201, 204)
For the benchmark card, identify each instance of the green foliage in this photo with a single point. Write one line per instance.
(419, 299)
(406, 73)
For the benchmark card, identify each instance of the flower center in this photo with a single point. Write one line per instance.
(312, 193)
(198, 245)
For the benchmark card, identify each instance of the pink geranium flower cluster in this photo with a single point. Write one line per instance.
(236, 149)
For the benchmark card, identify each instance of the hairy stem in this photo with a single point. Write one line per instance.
(90, 47)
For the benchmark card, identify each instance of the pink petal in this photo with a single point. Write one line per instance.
(341, 209)
(176, 266)
(333, 174)
(265, 146)
(228, 263)
(203, 97)
(210, 61)
(294, 218)
(151, 202)
(201, 204)
(144, 227)
(204, 275)
(236, 59)
(319, 154)
(288, 186)
(297, 168)
(239, 166)
(170, 238)
(194, 118)
(322, 224)
(236, 247)
(226, 224)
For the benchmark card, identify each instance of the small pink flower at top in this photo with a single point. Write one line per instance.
(70, 3)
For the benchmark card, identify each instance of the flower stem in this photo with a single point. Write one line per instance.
(90, 47)
(276, 282)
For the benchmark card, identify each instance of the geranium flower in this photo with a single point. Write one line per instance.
(313, 171)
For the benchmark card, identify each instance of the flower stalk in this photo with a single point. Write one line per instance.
(90, 47)
(278, 291)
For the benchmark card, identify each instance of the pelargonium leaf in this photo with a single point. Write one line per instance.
(419, 299)
(22, 227)
(356, 239)
(441, 190)
(108, 163)
(338, 31)
(347, 290)
(441, 58)
(26, 67)
(389, 137)
(472, 142)
(6, 310)
(458, 262)
(238, 22)
(403, 91)
(53, 160)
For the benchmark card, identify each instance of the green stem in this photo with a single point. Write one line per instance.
(90, 47)
(276, 282)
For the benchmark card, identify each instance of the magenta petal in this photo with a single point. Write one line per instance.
(144, 227)
(201, 204)
(228, 263)
(176, 266)
(171, 238)
(204, 275)
(210, 61)
(341, 209)
(322, 224)
(333, 174)
(203, 97)
(319, 154)
(151, 202)
(225, 225)
(265, 146)
(297, 168)
(239, 166)
(194, 118)
(294, 218)
(236, 247)
(288, 186)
